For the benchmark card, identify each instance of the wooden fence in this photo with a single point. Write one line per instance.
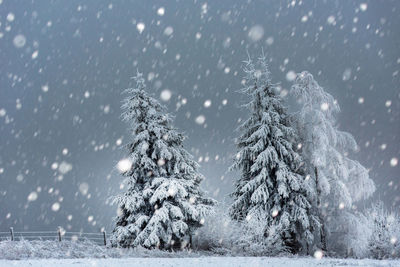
(59, 235)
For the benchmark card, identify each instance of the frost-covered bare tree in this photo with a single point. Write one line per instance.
(337, 180)
(163, 203)
(271, 187)
(374, 234)
(384, 241)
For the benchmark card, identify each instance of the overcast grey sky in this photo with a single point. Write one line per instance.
(64, 64)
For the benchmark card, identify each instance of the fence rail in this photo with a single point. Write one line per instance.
(59, 234)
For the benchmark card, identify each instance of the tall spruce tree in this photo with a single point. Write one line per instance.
(337, 181)
(271, 187)
(163, 203)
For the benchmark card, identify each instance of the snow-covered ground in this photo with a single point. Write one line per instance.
(85, 253)
(201, 261)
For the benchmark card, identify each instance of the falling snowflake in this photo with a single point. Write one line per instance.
(55, 207)
(19, 41)
(140, 27)
(270, 40)
(394, 162)
(291, 75)
(64, 167)
(363, 6)
(161, 11)
(331, 20)
(32, 196)
(124, 165)
(207, 103)
(274, 213)
(118, 142)
(200, 119)
(35, 54)
(165, 95)
(256, 33)
(10, 17)
(161, 162)
(346, 74)
(318, 254)
(84, 188)
(324, 106)
(168, 31)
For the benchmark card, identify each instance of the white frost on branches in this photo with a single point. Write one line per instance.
(163, 204)
(271, 187)
(337, 180)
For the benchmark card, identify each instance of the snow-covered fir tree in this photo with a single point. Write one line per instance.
(163, 204)
(271, 187)
(337, 181)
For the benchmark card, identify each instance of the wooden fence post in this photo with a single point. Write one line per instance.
(104, 237)
(59, 234)
(12, 233)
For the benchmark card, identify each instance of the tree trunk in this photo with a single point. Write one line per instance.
(323, 230)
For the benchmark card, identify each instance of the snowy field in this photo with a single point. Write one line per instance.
(202, 261)
(67, 253)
